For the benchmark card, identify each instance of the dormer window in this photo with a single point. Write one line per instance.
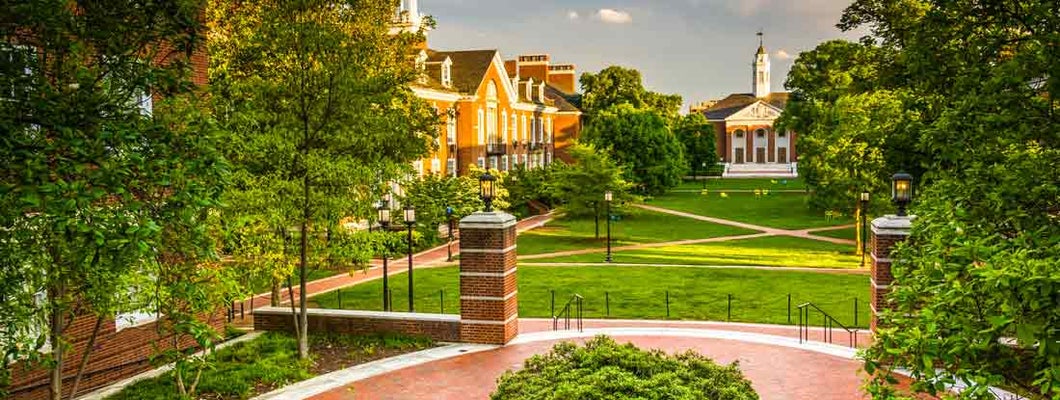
(541, 93)
(447, 73)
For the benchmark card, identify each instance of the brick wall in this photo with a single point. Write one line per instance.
(887, 232)
(440, 327)
(116, 355)
(489, 302)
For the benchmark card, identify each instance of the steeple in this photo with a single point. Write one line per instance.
(760, 70)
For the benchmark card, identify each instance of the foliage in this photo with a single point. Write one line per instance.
(700, 143)
(317, 96)
(580, 186)
(92, 182)
(639, 141)
(603, 368)
(526, 185)
(975, 295)
(616, 85)
(834, 69)
(432, 194)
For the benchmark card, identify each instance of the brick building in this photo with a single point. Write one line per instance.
(496, 113)
(747, 143)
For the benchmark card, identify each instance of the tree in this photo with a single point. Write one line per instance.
(835, 68)
(580, 186)
(640, 142)
(432, 194)
(976, 282)
(602, 368)
(617, 85)
(88, 167)
(317, 93)
(700, 143)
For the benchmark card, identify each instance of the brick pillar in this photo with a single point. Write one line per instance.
(488, 302)
(887, 231)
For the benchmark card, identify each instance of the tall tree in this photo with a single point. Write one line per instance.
(617, 85)
(318, 94)
(639, 141)
(975, 297)
(87, 167)
(580, 186)
(700, 143)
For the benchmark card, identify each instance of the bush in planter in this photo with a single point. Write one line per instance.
(604, 369)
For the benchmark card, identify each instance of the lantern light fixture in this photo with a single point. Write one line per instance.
(902, 191)
(487, 190)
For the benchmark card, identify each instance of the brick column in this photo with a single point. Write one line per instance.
(887, 231)
(488, 302)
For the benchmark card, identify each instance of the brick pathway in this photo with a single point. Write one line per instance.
(776, 372)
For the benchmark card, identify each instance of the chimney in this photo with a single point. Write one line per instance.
(563, 77)
(534, 66)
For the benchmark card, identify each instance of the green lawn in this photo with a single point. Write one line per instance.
(639, 292)
(772, 251)
(635, 227)
(312, 274)
(777, 210)
(845, 233)
(746, 184)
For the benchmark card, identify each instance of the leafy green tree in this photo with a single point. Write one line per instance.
(580, 186)
(975, 296)
(433, 194)
(602, 367)
(93, 180)
(317, 94)
(617, 85)
(835, 68)
(639, 141)
(700, 143)
(526, 186)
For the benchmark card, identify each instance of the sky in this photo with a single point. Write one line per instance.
(699, 49)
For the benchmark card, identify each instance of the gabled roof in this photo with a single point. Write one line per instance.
(738, 101)
(469, 67)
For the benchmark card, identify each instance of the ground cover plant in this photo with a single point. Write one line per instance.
(633, 226)
(770, 251)
(637, 292)
(603, 368)
(775, 209)
(260, 365)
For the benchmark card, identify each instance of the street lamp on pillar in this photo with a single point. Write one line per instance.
(608, 197)
(449, 220)
(410, 221)
(384, 225)
(863, 207)
(902, 191)
(487, 190)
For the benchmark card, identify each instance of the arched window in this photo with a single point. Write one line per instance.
(760, 133)
(782, 134)
(739, 133)
(491, 91)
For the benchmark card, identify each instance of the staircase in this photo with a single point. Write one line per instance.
(761, 171)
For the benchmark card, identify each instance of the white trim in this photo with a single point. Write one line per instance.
(881, 259)
(490, 274)
(431, 94)
(890, 232)
(403, 316)
(485, 251)
(490, 298)
(483, 322)
(875, 286)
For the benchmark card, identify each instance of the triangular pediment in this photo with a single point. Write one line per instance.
(758, 110)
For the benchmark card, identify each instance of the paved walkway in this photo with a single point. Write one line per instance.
(779, 367)
(799, 233)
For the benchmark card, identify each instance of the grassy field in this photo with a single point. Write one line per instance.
(772, 251)
(777, 210)
(638, 292)
(746, 184)
(845, 233)
(635, 227)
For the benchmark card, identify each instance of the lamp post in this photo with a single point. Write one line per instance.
(410, 221)
(704, 178)
(902, 191)
(863, 207)
(449, 221)
(384, 224)
(596, 219)
(608, 197)
(487, 190)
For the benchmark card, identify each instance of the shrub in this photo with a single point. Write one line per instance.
(604, 369)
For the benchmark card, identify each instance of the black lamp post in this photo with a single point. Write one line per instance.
(596, 219)
(449, 219)
(410, 221)
(863, 205)
(608, 197)
(384, 224)
(487, 190)
(704, 173)
(902, 191)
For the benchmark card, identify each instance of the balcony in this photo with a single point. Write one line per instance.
(496, 149)
(536, 146)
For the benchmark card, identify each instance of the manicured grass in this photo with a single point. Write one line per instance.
(771, 251)
(845, 233)
(268, 362)
(746, 184)
(639, 292)
(636, 226)
(776, 210)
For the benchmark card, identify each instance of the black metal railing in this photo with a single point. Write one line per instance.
(496, 148)
(574, 305)
(827, 327)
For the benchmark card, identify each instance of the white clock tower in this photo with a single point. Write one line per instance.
(760, 68)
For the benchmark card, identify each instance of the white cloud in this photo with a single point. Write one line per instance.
(782, 55)
(612, 16)
(573, 15)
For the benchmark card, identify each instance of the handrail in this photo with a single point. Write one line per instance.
(829, 323)
(576, 301)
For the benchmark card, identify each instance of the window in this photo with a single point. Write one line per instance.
(491, 124)
(450, 130)
(504, 163)
(548, 158)
(739, 134)
(134, 319)
(491, 91)
(761, 133)
(482, 162)
(17, 62)
(493, 162)
(145, 102)
(504, 126)
(481, 123)
(436, 165)
(450, 166)
(782, 134)
(524, 128)
(447, 73)
(515, 127)
(418, 166)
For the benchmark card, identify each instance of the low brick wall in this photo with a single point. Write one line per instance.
(440, 327)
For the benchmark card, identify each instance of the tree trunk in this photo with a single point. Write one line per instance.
(303, 319)
(84, 357)
(56, 379)
(274, 299)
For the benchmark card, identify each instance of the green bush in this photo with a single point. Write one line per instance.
(604, 369)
